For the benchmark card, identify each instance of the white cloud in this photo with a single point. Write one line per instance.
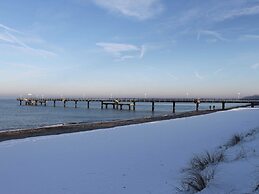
(123, 51)
(9, 37)
(255, 66)
(239, 12)
(214, 34)
(140, 9)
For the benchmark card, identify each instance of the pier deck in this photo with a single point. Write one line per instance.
(119, 103)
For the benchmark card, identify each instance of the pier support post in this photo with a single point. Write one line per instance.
(173, 107)
(223, 105)
(45, 103)
(54, 103)
(197, 106)
(75, 103)
(101, 104)
(121, 106)
(129, 107)
(134, 105)
(106, 106)
(153, 106)
(20, 102)
(252, 105)
(113, 106)
(65, 104)
(88, 104)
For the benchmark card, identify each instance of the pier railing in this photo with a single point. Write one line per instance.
(119, 103)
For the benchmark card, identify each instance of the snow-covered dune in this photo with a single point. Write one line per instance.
(144, 158)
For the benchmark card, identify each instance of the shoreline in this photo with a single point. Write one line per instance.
(80, 127)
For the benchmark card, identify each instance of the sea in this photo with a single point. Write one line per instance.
(14, 116)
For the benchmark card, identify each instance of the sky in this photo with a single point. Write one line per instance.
(129, 48)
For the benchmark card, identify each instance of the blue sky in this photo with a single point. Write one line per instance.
(134, 48)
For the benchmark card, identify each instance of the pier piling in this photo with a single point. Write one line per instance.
(153, 106)
(197, 106)
(173, 107)
(223, 105)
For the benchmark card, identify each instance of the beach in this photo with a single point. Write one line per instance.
(138, 158)
(77, 127)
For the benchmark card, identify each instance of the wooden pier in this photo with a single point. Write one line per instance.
(130, 103)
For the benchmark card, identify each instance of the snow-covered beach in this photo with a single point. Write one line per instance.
(141, 158)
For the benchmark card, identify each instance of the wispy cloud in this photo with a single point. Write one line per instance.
(123, 51)
(172, 76)
(218, 71)
(247, 11)
(142, 51)
(187, 20)
(22, 71)
(214, 34)
(183, 18)
(140, 9)
(8, 28)
(4, 37)
(249, 37)
(198, 75)
(255, 66)
(10, 38)
(117, 48)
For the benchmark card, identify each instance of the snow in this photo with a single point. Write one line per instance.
(143, 158)
(239, 173)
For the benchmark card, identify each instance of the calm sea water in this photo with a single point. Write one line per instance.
(13, 116)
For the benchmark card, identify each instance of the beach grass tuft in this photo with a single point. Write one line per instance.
(234, 140)
(203, 161)
(195, 181)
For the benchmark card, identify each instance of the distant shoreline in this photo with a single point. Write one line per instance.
(79, 127)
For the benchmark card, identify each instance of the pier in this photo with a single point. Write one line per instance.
(131, 103)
